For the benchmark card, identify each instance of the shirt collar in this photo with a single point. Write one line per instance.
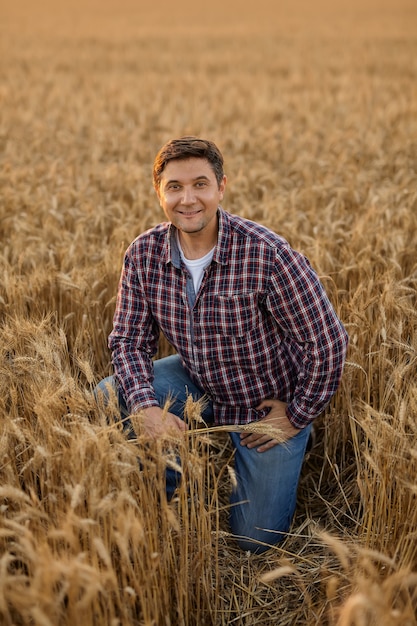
(223, 239)
(172, 253)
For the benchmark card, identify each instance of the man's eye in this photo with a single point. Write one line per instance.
(201, 183)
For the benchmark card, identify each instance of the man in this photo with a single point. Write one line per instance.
(251, 324)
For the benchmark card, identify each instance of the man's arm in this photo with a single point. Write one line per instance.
(314, 334)
(133, 340)
(302, 310)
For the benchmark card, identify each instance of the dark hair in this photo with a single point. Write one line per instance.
(187, 148)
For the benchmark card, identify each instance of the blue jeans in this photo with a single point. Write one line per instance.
(264, 499)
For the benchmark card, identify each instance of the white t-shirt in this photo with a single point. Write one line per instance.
(196, 267)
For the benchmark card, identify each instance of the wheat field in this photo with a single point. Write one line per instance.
(314, 106)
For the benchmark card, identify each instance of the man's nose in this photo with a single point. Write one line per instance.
(188, 195)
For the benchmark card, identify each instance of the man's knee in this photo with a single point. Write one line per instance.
(252, 534)
(104, 389)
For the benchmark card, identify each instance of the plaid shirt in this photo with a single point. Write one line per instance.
(260, 327)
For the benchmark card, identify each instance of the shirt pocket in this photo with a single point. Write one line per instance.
(237, 315)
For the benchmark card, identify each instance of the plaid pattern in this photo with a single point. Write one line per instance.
(260, 327)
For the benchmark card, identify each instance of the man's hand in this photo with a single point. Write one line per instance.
(155, 423)
(276, 419)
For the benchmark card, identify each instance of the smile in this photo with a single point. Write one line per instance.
(189, 213)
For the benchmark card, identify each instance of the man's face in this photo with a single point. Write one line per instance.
(189, 195)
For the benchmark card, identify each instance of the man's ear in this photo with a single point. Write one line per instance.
(222, 186)
(158, 193)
